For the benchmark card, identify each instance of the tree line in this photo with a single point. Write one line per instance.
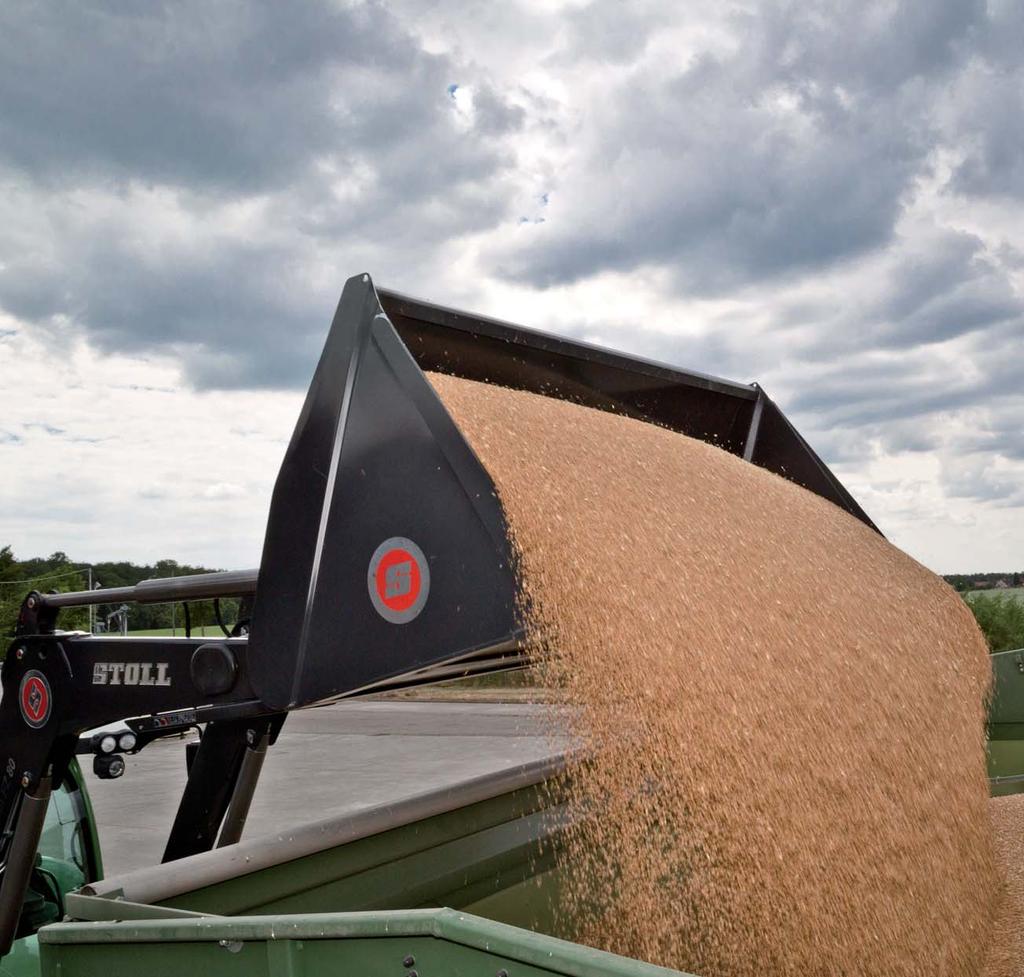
(1000, 616)
(57, 572)
(971, 581)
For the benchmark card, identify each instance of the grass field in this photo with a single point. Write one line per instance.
(1017, 593)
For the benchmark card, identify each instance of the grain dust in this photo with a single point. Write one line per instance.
(783, 713)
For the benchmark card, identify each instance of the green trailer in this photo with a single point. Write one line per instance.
(464, 877)
(386, 564)
(460, 880)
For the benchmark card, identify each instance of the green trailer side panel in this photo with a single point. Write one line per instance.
(442, 943)
(1006, 709)
(535, 904)
(1005, 767)
(450, 859)
(444, 875)
(1006, 724)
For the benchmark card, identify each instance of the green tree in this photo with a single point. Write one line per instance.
(8, 564)
(1001, 619)
(57, 572)
(54, 573)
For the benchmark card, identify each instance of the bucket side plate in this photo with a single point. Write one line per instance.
(376, 471)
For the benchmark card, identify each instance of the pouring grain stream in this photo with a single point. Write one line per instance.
(783, 713)
(1007, 957)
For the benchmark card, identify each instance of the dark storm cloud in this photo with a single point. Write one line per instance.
(796, 152)
(239, 96)
(992, 117)
(721, 185)
(868, 48)
(331, 119)
(974, 477)
(988, 105)
(244, 301)
(1004, 435)
(892, 361)
(932, 289)
(793, 151)
(944, 291)
(857, 393)
(612, 32)
(963, 408)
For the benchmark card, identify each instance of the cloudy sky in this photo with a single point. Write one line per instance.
(826, 197)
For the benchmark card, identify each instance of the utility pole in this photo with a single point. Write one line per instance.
(92, 607)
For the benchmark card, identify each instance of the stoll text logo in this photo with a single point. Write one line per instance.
(131, 673)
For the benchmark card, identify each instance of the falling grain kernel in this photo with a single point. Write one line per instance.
(783, 713)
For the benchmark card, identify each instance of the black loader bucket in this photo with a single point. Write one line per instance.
(386, 552)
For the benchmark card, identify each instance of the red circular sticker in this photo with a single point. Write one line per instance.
(398, 580)
(35, 698)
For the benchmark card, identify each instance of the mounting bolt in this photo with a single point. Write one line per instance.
(409, 961)
(26, 779)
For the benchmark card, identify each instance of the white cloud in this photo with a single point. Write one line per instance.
(115, 458)
(223, 490)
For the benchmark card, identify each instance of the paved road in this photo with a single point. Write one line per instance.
(326, 761)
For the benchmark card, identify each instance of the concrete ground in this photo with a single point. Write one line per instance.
(327, 761)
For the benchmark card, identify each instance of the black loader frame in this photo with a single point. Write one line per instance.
(386, 563)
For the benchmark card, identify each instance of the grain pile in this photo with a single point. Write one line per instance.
(1007, 958)
(784, 712)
